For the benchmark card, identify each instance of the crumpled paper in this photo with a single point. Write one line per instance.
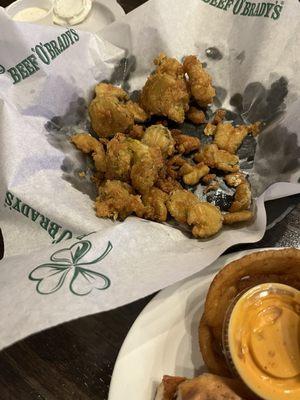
(61, 262)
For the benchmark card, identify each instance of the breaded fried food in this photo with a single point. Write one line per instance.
(210, 387)
(278, 266)
(209, 178)
(147, 162)
(234, 179)
(88, 144)
(242, 198)
(210, 129)
(137, 132)
(116, 200)
(220, 159)
(106, 89)
(229, 138)
(155, 204)
(219, 116)
(199, 81)
(214, 185)
(168, 387)
(119, 159)
(205, 218)
(236, 217)
(111, 112)
(139, 115)
(173, 166)
(109, 116)
(195, 115)
(159, 136)
(185, 144)
(191, 174)
(165, 92)
(179, 204)
(168, 184)
(204, 387)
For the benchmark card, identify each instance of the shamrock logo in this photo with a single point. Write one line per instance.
(71, 261)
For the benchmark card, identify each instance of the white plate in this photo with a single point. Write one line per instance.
(164, 338)
(103, 13)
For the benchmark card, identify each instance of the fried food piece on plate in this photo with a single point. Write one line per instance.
(88, 144)
(168, 387)
(220, 159)
(109, 116)
(106, 89)
(209, 178)
(210, 129)
(155, 202)
(204, 387)
(111, 112)
(211, 182)
(238, 216)
(199, 81)
(116, 200)
(159, 136)
(234, 278)
(185, 144)
(173, 165)
(195, 115)
(147, 163)
(208, 386)
(230, 138)
(118, 159)
(219, 116)
(191, 174)
(205, 218)
(139, 114)
(235, 179)
(242, 198)
(214, 185)
(179, 204)
(168, 184)
(137, 132)
(165, 92)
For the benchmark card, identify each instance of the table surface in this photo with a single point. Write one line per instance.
(74, 361)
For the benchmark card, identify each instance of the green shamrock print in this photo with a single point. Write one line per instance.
(51, 276)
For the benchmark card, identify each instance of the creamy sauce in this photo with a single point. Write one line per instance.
(71, 12)
(30, 14)
(264, 341)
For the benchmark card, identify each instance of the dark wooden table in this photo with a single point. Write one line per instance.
(74, 361)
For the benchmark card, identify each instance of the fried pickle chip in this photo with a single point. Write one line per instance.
(242, 198)
(139, 114)
(229, 138)
(205, 218)
(199, 81)
(277, 266)
(155, 201)
(165, 92)
(185, 144)
(179, 203)
(236, 217)
(191, 174)
(220, 159)
(116, 200)
(195, 115)
(159, 136)
(88, 144)
(109, 116)
(235, 179)
(168, 184)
